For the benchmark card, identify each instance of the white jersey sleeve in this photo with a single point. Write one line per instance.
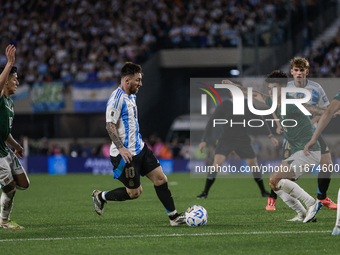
(121, 110)
(318, 95)
(114, 106)
(323, 99)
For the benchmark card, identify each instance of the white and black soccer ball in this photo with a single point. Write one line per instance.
(196, 215)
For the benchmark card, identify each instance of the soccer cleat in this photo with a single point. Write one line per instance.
(336, 230)
(177, 220)
(271, 204)
(11, 225)
(265, 194)
(312, 211)
(204, 195)
(298, 218)
(98, 205)
(329, 203)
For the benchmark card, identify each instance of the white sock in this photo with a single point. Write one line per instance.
(103, 195)
(292, 202)
(291, 188)
(338, 211)
(172, 213)
(6, 202)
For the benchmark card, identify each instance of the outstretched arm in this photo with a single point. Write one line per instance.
(274, 141)
(314, 109)
(323, 122)
(124, 152)
(18, 150)
(258, 96)
(218, 114)
(279, 129)
(10, 54)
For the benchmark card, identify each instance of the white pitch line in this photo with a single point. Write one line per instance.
(170, 235)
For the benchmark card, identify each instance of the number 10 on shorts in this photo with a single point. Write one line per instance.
(129, 172)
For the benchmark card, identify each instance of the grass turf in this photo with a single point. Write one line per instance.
(57, 213)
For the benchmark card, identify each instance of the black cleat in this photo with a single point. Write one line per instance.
(204, 195)
(177, 219)
(265, 194)
(98, 205)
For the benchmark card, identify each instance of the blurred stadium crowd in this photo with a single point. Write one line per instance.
(90, 40)
(164, 150)
(325, 60)
(176, 148)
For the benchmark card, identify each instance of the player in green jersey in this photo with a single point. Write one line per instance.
(12, 174)
(323, 122)
(298, 132)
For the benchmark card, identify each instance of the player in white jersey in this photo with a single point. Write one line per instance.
(299, 71)
(319, 97)
(129, 155)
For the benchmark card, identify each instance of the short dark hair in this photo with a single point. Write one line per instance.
(299, 62)
(14, 69)
(277, 76)
(130, 69)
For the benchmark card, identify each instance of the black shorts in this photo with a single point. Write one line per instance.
(141, 164)
(242, 147)
(287, 150)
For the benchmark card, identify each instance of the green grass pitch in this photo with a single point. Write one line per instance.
(58, 215)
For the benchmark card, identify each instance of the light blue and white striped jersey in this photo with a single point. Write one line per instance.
(121, 109)
(319, 97)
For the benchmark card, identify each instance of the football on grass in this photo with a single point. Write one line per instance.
(196, 215)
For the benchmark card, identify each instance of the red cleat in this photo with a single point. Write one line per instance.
(271, 204)
(329, 203)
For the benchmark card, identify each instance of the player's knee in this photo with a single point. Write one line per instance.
(135, 193)
(273, 183)
(329, 166)
(23, 185)
(252, 161)
(161, 179)
(9, 187)
(326, 161)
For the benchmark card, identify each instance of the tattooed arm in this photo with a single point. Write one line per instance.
(258, 96)
(124, 152)
(323, 122)
(314, 110)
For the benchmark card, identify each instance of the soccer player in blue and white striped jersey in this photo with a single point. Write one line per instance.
(129, 155)
(299, 71)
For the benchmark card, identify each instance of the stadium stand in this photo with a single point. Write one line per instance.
(90, 40)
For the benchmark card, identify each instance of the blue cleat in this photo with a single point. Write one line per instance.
(336, 230)
(312, 211)
(298, 218)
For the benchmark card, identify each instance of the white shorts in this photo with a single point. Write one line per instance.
(301, 164)
(9, 166)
